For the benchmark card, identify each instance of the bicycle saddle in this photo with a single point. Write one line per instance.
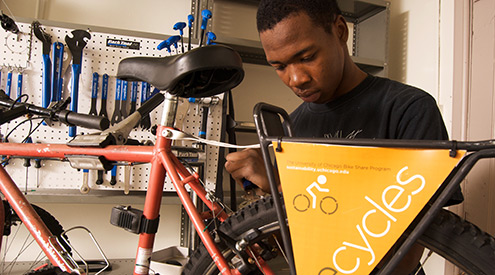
(200, 72)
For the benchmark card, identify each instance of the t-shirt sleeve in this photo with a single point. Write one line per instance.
(422, 120)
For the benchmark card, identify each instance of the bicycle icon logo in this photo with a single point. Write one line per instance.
(328, 204)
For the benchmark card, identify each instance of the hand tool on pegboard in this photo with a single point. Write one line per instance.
(92, 111)
(19, 83)
(67, 58)
(210, 37)
(123, 99)
(104, 94)
(165, 44)
(27, 164)
(94, 94)
(46, 43)
(85, 186)
(127, 179)
(174, 40)
(113, 179)
(116, 110)
(8, 88)
(190, 20)
(8, 24)
(146, 120)
(180, 27)
(134, 92)
(57, 71)
(206, 15)
(76, 44)
(103, 113)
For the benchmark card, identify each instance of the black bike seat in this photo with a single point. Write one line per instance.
(200, 72)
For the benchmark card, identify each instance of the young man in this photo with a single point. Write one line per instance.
(306, 43)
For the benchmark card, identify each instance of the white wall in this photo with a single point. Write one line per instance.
(421, 48)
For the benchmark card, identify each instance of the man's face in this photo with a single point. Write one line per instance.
(308, 59)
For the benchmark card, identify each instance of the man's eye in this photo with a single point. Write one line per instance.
(307, 58)
(279, 67)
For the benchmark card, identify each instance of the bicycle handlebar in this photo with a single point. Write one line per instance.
(64, 116)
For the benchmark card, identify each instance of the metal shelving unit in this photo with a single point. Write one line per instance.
(369, 18)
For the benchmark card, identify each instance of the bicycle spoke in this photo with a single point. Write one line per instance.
(280, 248)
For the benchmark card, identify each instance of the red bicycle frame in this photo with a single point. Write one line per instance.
(162, 161)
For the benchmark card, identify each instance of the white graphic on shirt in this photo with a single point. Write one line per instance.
(339, 134)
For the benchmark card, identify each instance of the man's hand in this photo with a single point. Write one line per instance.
(248, 164)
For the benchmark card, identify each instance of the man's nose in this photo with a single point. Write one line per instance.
(298, 77)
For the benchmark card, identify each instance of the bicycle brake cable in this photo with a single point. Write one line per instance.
(175, 134)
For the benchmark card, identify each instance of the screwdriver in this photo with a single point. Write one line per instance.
(27, 164)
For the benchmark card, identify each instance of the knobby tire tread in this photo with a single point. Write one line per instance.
(56, 229)
(455, 239)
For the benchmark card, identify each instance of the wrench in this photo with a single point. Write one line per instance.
(19, 84)
(123, 102)
(103, 112)
(134, 91)
(94, 94)
(85, 187)
(104, 93)
(76, 44)
(116, 110)
(146, 120)
(46, 41)
(9, 83)
(57, 68)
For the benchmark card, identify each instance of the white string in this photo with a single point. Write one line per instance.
(179, 135)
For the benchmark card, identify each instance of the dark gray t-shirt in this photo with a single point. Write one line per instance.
(378, 108)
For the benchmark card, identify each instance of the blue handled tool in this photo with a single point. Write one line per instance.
(164, 44)
(116, 111)
(46, 41)
(19, 84)
(173, 40)
(180, 27)
(134, 92)
(123, 99)
(146, 120)
(57, 67)
(206, 15)
(85, 186)
(76, 44)
(9, 83)
(248, 185)
(190, 20)
(104, 94)
(94, 94)
(210, 37)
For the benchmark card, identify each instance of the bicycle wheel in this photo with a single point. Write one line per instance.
(456, 240)
(20, 252)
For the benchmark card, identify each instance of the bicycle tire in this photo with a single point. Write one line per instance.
(51, 223)
(456, 240)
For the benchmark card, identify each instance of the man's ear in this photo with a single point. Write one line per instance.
(341, 29)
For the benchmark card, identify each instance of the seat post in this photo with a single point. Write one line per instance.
(169, 110)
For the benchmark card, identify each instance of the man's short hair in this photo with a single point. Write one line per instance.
(322, 12)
